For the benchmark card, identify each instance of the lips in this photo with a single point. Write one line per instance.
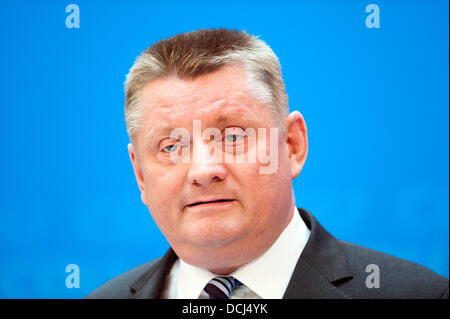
(209, 202)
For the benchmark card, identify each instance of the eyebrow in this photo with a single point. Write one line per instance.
(222, 119)
(160, 129)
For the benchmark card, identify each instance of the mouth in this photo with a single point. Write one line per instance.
(217, 202)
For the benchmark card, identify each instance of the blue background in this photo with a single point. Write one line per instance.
(375, 102)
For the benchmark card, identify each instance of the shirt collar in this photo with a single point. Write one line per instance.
(192, 280)
(268, 275)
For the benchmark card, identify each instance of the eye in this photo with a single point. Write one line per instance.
(233, 137)
(170, 148)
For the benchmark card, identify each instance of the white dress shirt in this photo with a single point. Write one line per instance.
(266, 277)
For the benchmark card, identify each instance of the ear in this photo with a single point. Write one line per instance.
(296, 141)
(137, 171)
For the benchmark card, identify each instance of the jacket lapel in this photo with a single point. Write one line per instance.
(151, 283)
(322, 263)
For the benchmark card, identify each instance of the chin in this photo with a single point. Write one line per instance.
(214, 236)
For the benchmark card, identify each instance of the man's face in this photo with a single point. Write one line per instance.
(212, 213)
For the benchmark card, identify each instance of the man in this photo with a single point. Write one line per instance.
(203, 110)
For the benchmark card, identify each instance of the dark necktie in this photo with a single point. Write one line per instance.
(221, 287)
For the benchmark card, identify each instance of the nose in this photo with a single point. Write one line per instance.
(205, 168)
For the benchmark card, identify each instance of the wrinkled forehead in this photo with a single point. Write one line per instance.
(213, 98)
(228, 82)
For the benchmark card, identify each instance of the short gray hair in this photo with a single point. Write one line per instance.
(192, 54)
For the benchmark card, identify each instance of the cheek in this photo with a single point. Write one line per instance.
(265, 192)
(162, 186)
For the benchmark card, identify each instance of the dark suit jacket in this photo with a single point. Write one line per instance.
(327, 268)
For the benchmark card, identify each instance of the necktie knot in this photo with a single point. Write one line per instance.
(221, 287)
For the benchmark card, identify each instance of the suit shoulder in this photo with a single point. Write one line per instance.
(398, 278)
(119, 287)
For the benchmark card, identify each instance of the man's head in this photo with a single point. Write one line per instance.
(190, 55)
(217, 215)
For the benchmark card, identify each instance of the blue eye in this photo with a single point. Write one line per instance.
(170, 148)
(233, 137)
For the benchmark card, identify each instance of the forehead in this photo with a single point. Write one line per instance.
(212, 97)
(174, 94)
